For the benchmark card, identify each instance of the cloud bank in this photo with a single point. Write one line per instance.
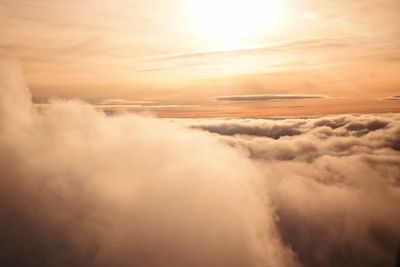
(333, 181)
(80, 188)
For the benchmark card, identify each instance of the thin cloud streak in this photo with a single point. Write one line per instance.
(391, 98)
(121, 102)
(266, 97)
(283, 46)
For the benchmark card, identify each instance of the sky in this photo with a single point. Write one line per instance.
(196, 58)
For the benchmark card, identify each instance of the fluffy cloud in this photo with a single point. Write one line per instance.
(80, 188)
(334, 182)
(249, 127)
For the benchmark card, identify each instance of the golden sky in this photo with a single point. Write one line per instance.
(210, 58)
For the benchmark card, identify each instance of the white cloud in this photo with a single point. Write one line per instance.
(80, 188)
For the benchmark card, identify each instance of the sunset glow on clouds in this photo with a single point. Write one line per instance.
(83, 188)
(155, 51)
(199, 133)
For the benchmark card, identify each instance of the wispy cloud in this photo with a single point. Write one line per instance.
(287, 45)
(115, 101)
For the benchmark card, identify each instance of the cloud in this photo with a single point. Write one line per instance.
(390, 98)
(122, 106)
(235, 127)
(366, 127)
(112, 101)
(300, 45)
(80, 188)
(334, 184)
(265, 97)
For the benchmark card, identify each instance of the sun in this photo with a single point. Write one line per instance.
(232, 21)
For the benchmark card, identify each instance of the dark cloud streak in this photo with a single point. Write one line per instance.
(265, 97)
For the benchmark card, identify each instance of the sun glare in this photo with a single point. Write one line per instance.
(232, 21)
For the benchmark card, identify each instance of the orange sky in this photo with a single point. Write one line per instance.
(210, 58)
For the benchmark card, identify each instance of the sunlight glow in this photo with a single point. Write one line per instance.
(231, 21)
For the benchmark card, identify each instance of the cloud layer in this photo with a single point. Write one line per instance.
(80, 188)
(334, 182)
